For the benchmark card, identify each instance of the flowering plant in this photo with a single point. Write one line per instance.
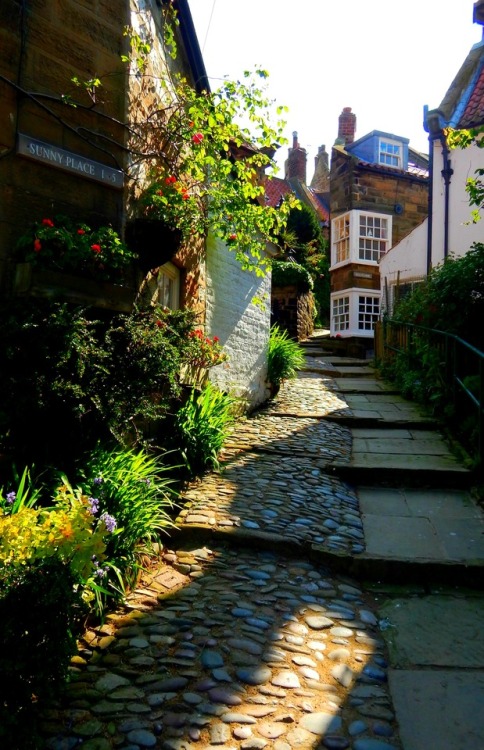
(205, 351)
(69, 531)
(61, 244)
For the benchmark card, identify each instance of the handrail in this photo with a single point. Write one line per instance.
(461, 360)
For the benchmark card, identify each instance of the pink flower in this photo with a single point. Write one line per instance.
(197, 138)
(96, 248)
(37, 245)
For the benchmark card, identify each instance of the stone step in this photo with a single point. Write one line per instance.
(362, 385)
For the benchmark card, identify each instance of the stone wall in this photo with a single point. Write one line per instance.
(242, 326)
(42, 46)
(293, 310)
(357, 186)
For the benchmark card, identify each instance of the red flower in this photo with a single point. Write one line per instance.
(37, 245)
(197, 138)
(232, 237)
(81, 231)
(216, 339)
(170, 180)
(96, 248)
(47, 222)
(185, 196)
(159, 324)
(159, 192)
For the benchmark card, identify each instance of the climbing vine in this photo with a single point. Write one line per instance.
(197, 158)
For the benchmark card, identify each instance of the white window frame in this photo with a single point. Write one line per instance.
(168, 285)
(373, 240)
(390, 153)
(340, 313)
(370, 299)
(346, 237)
(341, 241)
(369, 309)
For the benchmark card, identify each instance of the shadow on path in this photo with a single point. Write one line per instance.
(232, 646)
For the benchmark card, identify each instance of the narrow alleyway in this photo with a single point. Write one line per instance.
(324, 590)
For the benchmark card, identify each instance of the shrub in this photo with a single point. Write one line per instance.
(284, 358)
(135, 488)
(89, 378)
(451, 299)
(202, 426)
(285, 274)
(40, 612)
(49, 560)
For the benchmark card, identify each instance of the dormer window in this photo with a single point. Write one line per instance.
(390, 153)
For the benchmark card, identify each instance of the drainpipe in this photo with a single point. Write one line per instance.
(447, 173)
(433, 121)
(430, 203)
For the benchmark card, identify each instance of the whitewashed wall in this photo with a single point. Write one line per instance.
(409, 256)
(242, 327)
(462, 234)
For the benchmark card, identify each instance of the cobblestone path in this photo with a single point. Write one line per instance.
(247, 645)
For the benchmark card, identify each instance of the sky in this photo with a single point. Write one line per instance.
(384, 59)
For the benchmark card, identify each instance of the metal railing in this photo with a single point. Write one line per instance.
(460, 368)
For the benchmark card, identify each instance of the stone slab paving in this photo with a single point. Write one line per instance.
(437, 668)
(296, 436)
(288, 500)
(247, 651)
(384, 408)
(340, 370)
(426, 524)
(364, 385)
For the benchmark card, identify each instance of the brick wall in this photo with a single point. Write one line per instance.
(242, 326)
(293, 310)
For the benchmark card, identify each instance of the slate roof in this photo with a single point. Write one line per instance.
(463, 104)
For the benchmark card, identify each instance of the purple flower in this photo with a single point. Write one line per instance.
(11, 497)
(109, 522)
(101, 572)
(93, 503)
(98, 480)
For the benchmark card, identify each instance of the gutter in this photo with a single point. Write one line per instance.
(192, 47)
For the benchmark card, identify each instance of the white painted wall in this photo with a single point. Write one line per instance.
(242, 327)
(405, 261)
(462, 234)
(409, 256)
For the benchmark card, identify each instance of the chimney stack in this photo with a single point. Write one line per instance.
(320, 181)
(295, 165)
(346, 126)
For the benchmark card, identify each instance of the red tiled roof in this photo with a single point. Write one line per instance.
(275, 190)
(473, 114)
(320, 204)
